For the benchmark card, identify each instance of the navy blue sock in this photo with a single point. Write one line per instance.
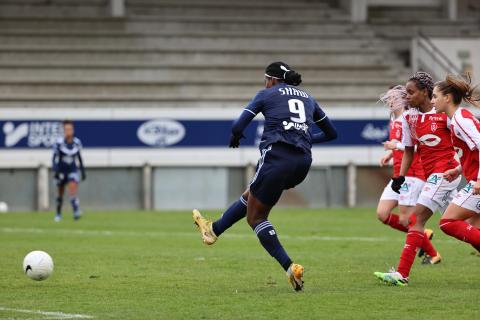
(75, 203)
(59, 205)
(269, 240)
(237, 211)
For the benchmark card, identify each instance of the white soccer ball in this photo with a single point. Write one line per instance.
(3, 207)
(38, 265)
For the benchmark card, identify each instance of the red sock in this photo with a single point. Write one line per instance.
(428, 247)
(412, 219)
(392, 221)
(413, 242)
(462, 231)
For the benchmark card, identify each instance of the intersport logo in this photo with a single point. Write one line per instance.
(37, 133)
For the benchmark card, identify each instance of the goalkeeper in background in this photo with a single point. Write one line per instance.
(66, 153)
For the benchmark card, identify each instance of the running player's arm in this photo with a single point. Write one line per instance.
(254, 107)
(469, 132)
(55, 159)
(80, 161)
(407, 142)
(323, 122)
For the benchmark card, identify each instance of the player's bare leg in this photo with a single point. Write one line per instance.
(398, 221)
(455, 223)
(257, 218)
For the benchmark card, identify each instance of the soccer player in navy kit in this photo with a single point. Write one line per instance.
(66, 152)
(285, 160)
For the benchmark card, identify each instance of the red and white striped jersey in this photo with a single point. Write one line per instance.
(416, 169)
(466, 139)
(430, 133)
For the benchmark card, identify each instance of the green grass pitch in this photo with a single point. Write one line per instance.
(144, 265)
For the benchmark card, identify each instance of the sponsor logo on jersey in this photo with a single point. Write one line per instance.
(430, 140)
(37, 133)
(433, 179)
(161, 133)
(299, 126)
(436, 118)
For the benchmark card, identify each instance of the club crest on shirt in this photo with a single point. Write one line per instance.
(434, 126)
(478, 205)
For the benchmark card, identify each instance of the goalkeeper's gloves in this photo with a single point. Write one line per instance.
(235, 140)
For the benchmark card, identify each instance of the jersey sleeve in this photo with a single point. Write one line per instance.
(318, 113)
(406, 133)
(79, 144)
(255, 106)
(468, 130)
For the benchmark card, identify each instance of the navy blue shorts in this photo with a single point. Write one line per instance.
(281, 167)
(65, 176)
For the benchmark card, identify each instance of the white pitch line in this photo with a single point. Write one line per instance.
(154, 234)
(49, 314)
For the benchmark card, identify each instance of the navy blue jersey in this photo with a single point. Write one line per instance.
(65, 155)
(290, 114)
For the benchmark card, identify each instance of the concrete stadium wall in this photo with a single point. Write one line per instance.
(182, 178)
(184, 188)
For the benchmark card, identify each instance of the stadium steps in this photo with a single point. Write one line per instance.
(201, 91)
(126, 74)
(186, 53)
(186, 43)
(318, 10)
(182, 24)
(47, 57)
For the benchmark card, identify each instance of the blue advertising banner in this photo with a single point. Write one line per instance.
(167, 133)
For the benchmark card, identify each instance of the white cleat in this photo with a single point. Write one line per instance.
(205, 227)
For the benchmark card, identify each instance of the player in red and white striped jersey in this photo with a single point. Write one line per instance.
(465, 130)
(396, 100)
(428, 131)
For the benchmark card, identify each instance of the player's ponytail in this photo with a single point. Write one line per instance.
(395, 98)
(292, 78)
(460, 88)
(281, 71)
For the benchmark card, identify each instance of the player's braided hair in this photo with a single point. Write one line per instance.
(423, 80)
(460, 88)
(281, 71)
(395, 98)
